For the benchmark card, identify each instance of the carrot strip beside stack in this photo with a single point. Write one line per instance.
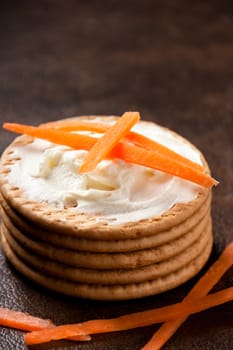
(136, 320)
(175, 314)
(202, 288)
(23, 321)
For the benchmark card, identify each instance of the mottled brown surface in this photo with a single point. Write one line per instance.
(172, 61)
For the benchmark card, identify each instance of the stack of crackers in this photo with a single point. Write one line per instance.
(74, 253)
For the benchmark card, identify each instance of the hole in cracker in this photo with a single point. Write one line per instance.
(74, 205)
(8, 162)
(15, 188)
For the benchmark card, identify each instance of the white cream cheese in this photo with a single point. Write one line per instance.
(116, 191)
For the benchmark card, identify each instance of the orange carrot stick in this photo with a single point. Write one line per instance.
(20, 320)
(202, 288)
(77, 125)
(26, 322)
(134, 137)
(76, 141)
(151, 145)
(137, 139)
(137, 155)
(106, 143)
(139, 319)
(123, 150)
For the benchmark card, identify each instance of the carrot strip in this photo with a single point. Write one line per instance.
(202, 288)
(72, 124)
(23, 321)
(139, 319)
(137, 155)
(106, 143)
(77, 125)
(151, 145)
(26, 322)
(137, 139)
(76, 141)
(123, 150)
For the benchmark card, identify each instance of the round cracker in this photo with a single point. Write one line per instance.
(71, 221)
(149, 242)
(115, 276)
(114, 246)
(107, 292)
(124, 260)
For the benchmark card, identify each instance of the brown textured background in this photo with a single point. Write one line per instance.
(170, 60)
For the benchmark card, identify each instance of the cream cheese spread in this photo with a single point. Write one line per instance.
(116, 191)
